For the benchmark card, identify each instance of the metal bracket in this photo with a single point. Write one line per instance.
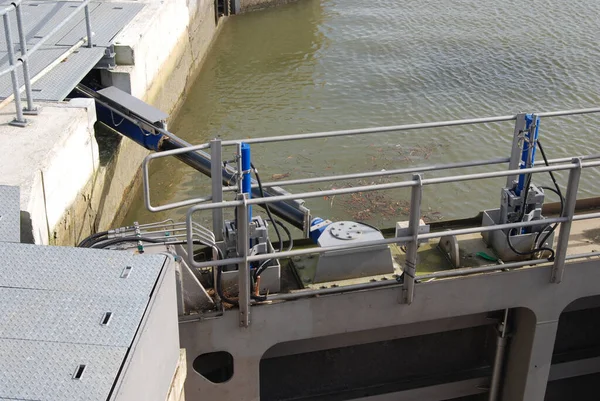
(449, 245)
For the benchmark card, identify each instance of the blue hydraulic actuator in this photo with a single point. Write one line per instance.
(246, 174)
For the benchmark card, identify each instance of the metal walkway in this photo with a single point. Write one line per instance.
(63, 61)
(71, 317)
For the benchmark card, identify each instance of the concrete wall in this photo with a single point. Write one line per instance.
(65, 192)
(253, 5)
(158, 55)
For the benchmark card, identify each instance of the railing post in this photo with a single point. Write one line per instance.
(88, 26)
(20, 120)
(216, 174)
(30, 109)
(410, 266)
(243, 267)
(565, 228)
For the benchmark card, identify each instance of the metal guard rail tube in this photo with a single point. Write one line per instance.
(14, 4)
(401, 184)
(418, 169)
(374, 130)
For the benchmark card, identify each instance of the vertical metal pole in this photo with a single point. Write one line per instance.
(31, 109)
(410, 266)
(216, 173)
(515, 154)
(565, 228)
(243, 267)
(498, 359)
(19, 121)
(88, 26)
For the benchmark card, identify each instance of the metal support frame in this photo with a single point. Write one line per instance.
(499, 358)
(217, 186)
(410, 266)
(19, 121)
(565, 228)
(243, 266)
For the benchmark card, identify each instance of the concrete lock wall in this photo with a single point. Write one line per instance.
(67, 192)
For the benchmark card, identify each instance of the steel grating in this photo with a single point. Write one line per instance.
(76, 318)
(39, 18)
(34, 370)
(52, 86)
(119, 14)
(10, 214)
(78, 270)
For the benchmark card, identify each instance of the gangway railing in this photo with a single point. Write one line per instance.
(574, 166)
(26, 54)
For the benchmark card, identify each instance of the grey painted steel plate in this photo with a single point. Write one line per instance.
(78, 269)
(134, 104)
(76, 318)
(10, 214)
(33, 370)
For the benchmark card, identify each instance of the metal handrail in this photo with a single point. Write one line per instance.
(575, 166)
(26, 54)
(362, 131)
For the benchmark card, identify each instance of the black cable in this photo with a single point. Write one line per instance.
(262, 194)
(84, 242)
(557, 191)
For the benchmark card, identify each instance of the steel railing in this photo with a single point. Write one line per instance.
(574, 166)
(25, 54)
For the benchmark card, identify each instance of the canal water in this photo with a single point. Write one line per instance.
(319, 65)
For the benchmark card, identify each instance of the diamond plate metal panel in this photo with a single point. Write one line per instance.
(119, 14)
(93, 271)
(44, 371)
(10, 214)
(70, 317)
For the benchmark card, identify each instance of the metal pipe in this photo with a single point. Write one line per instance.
(299, 252)
(243, 266)
(419, 169)
(407, 127)
(477, 270)
(374, 130)
(410, 265)
(216, 173)
(23, 43)
(13, 74)
(333, 290)
(88, 26)
(565, 228)
(498, 359)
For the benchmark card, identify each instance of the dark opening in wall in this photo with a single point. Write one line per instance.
(215, 366)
